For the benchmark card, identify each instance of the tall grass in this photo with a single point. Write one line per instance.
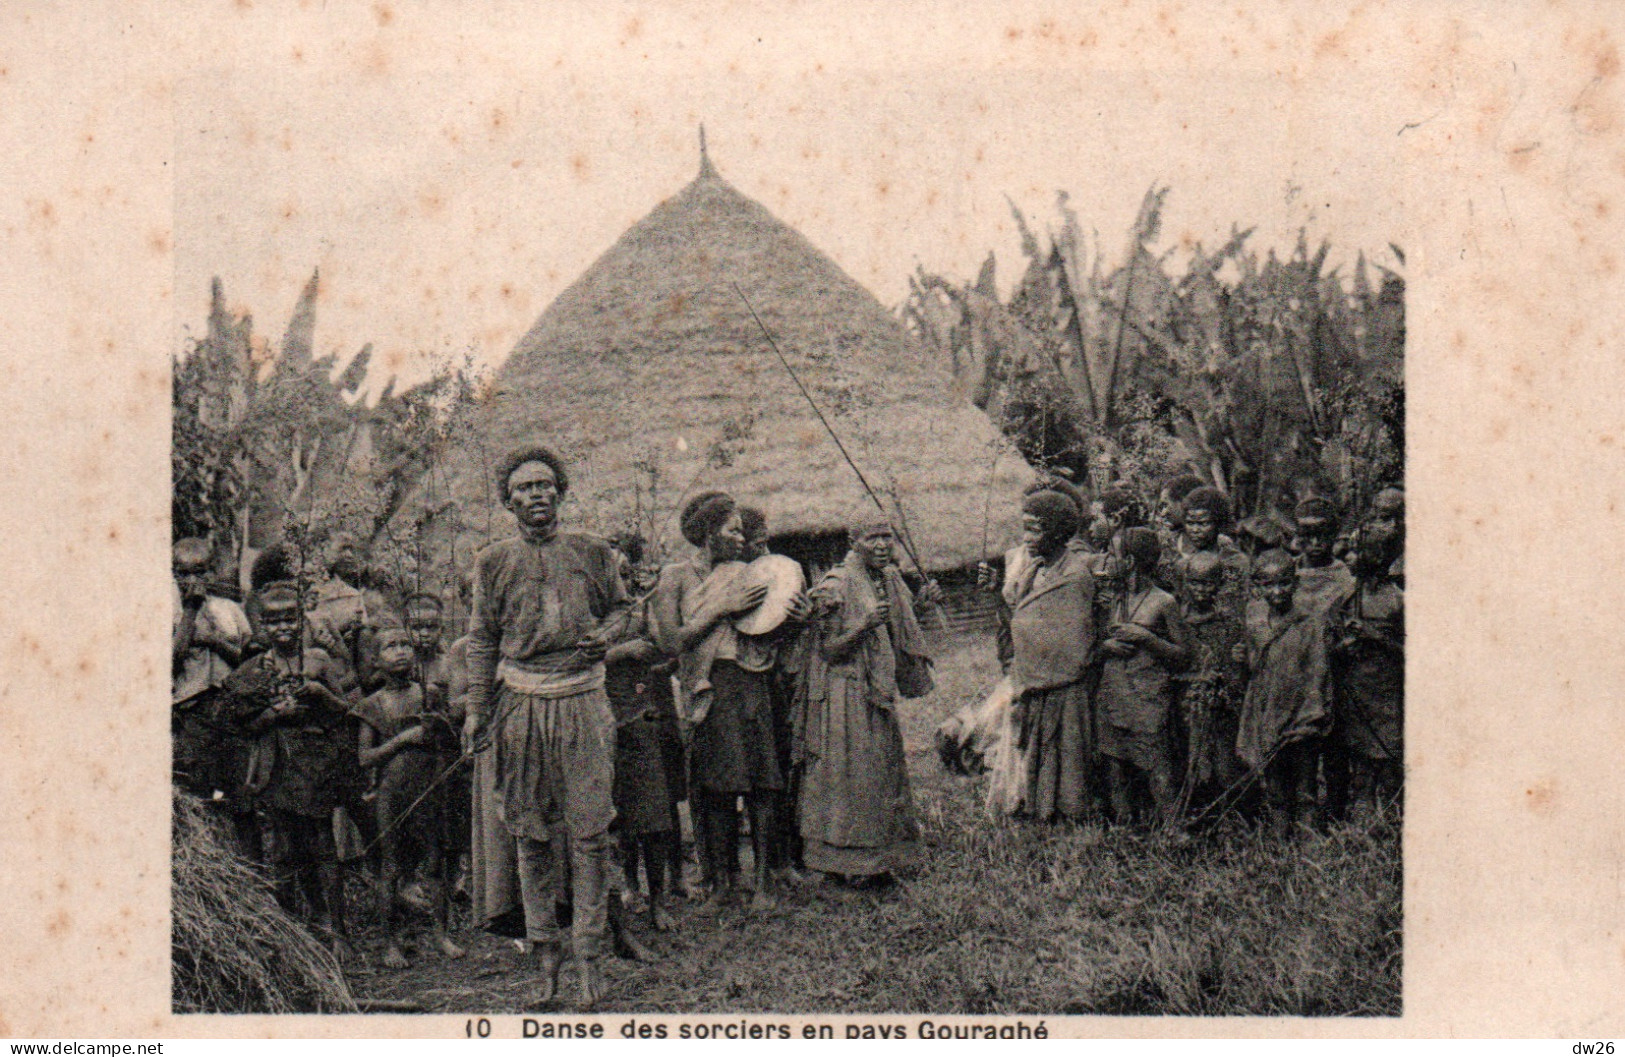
(233, 949)
(1007, 918)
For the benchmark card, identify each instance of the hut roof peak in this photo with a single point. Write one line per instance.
(706, 168)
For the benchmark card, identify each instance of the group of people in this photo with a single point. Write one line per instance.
(1166, 675)
(537, 764)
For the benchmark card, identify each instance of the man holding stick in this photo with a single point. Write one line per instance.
(547, 604)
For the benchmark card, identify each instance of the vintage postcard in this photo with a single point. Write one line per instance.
(713, 521)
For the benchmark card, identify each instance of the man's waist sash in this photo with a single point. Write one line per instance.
(532, 682)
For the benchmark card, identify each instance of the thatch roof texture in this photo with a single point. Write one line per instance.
(652, 360)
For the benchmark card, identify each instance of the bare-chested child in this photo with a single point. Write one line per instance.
(1144, 645)
(1215, 679)
(293, 699)
(1285, 713)
(426, 623)
(408, 743)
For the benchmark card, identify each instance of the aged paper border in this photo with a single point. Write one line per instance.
(1512, 174)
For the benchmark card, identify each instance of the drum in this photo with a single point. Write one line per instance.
(784, 581)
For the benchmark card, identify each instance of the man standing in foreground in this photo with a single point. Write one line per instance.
(544, 613)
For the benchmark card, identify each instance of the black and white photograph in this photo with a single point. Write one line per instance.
(1021, 632)
(886, 519)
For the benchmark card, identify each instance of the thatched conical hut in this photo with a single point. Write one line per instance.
(649, 374)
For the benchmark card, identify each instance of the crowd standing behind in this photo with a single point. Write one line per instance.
(1155, 677)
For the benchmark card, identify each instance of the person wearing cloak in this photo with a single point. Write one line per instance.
(856, 811)
(1051, 649)
(1366, 747)
(1286, 710)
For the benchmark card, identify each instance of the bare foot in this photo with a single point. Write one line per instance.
(762, 903)
(628, 946)
(793, 877)
(448, 948)
(659, 920)
(698, 893)
(590, 986)
(548, 960)
(395, 958)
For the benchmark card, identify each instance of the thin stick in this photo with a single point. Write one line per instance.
(987, 500)
(864, 481)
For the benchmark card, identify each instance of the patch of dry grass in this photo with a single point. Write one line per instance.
(1010, 918)
(233, 949)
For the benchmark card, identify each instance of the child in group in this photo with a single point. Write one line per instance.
(649, 771)
(436, 667)
(1286, 709)
(308, 734)
(408, 739)
(1215, 679)
(1144, 645)
(1204, 516)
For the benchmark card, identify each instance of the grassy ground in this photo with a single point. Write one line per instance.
(1011, 918)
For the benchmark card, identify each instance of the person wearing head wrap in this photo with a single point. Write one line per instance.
(1322, 577)
(303, 765)
(1365, 751)
(726, 680)
(547, 606)
(1287, 708)
(1145, 643)
(856, 809)
(1051, 649)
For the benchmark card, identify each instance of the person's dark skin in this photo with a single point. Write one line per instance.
(1203, 593)
(533, 499)
(726, 544)
(876, 549)
(1125, 637)
(1045, 545)
(282, 628)
(1201, 530)
(192, 577)
(396, 661)
(1316, 538)
(1277, 582)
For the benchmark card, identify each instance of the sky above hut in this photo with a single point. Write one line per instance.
(449, 186)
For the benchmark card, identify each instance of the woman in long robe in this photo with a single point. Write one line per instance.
(856, 810)
(1052, 646)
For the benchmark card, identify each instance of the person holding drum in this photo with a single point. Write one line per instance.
(725, 679)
